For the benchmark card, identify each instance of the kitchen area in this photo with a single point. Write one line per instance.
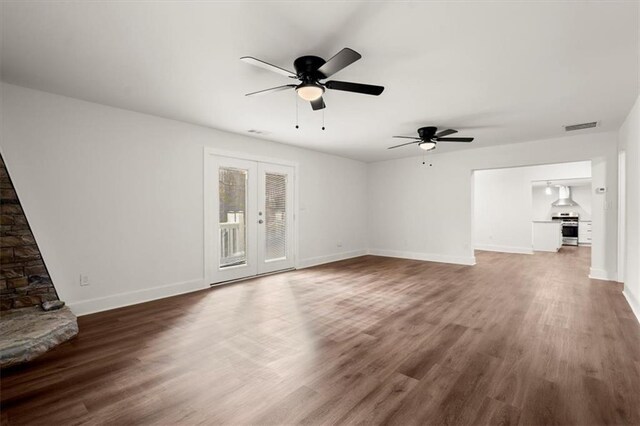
(540, 208)
(561, 209)
(561, 212)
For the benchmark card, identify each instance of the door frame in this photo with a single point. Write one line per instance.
(622, 214)
(208, 239)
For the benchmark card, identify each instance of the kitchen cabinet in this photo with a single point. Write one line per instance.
(584, 232)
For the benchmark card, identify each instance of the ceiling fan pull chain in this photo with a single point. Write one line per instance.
(296, 98)
(322, 119)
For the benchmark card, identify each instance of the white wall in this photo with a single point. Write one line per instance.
(118, 196)
(425, 212)
(503, 204)
(629, 141)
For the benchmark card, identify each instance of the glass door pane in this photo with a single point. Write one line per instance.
(275, 216)
(232, 216)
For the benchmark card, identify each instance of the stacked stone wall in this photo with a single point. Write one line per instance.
(24, 280)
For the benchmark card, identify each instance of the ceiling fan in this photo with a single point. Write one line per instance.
(310, 70)
(429, 136)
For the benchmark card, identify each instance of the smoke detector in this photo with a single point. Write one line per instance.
(581, 126)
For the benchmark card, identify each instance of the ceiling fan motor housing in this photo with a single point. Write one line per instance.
(307, 68)
(427, 133)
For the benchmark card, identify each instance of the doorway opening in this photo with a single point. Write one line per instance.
(533, 209)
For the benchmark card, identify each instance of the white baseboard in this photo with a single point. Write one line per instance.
(601, 274)
(504, 249)
(99, 304)
(315, 261)
(633, 302)
(430, 257)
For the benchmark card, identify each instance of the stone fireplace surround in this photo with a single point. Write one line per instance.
(24, 280)
(27, 330)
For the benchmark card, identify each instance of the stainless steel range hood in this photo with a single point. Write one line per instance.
(564, 198)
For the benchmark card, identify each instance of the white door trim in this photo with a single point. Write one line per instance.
(250, 157)
(208, 205)
(622, 189)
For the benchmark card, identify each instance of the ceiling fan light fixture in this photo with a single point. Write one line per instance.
(427, 146)
(429, 136)
(310, 91)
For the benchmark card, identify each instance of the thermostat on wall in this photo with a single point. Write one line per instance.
(601, 190)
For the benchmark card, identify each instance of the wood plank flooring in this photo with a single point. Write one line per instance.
(516, 339)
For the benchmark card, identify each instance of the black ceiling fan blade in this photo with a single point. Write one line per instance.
(365, 89)
(445, 133)
(454, 139)
(267, 66)
(318, 104)
(273, 89)
(340, 60)
(406, 137)
(404, 144)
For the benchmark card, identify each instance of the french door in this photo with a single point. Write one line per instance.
(250, 218)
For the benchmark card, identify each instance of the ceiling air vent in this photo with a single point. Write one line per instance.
(581, 126)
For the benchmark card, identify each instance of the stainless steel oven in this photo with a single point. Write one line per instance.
(569, 222)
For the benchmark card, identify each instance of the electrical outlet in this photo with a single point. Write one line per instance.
(84, 280)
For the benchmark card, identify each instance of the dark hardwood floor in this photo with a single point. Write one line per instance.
(516, 339)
